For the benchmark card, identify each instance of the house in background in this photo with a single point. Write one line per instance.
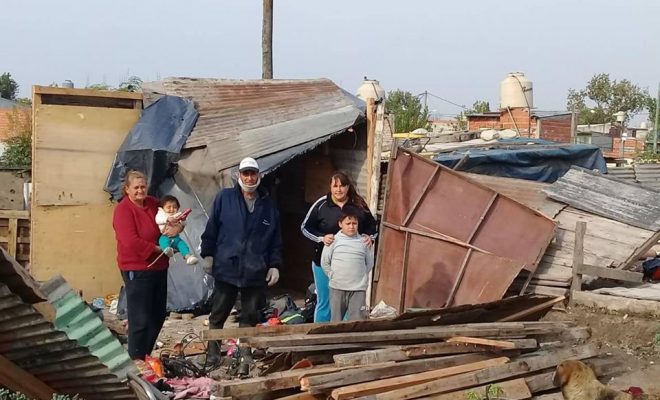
(517, 112)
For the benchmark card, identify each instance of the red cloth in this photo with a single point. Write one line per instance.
(137, 235)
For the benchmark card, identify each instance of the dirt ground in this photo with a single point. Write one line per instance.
(632, 340)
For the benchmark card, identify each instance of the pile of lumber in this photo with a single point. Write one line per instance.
(385, 360)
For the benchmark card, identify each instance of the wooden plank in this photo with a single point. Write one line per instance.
(499, 329)
(611, 273)
(578, 255)
(500, 344)
(617, 303)
(17, 214)
(272, 382)
(401, 353)
(459, 278)
(86, 92)
(422, 195)
(533, 310)
(17, 379)
(324, 382)
(331, 347)
(515, 389)
(488, 375)
(227, 333)
(12, 232)
(382, 385)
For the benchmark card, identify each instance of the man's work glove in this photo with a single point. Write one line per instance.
(207, 264)
(272, 276)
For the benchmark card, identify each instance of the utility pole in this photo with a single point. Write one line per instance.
(657, 122)
(267, 41)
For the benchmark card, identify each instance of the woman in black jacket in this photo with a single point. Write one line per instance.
(322, 223)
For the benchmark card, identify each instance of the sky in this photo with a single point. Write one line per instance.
(456, 50)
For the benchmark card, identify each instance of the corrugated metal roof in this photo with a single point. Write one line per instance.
(33, 344)
(260, 117)
(609, 197)
(549, 114)
(78, 321)
(19, 282)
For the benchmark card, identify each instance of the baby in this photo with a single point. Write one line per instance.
(168, 213)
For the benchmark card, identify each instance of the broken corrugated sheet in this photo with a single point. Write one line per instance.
(260, 117)
(78, 321)
(448, 241)
(18, 280)
(32, 343)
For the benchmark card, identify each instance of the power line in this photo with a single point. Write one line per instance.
(440, 98)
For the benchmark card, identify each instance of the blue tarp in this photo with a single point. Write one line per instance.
(543, 161)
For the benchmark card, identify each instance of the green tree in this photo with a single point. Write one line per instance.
(99, 86)
(478, 107)
(18, 148)
(603, 97)
(409, 113)
(132, 84)
(8, 86)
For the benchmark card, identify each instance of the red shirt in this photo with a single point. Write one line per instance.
(137, 235)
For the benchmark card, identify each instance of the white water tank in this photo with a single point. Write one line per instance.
(370, 88)
(516, 91)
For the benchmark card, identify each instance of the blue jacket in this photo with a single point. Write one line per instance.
(243, 244)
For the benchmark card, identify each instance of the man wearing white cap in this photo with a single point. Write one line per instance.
(242, 249)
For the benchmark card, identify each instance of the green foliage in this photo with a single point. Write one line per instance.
(603, 97)
(8, 86)
(18, 148)
(409, 113)
(656, 339)
(492, 392)
(478, 107)
(651, 103)
(99, 86)
(132, 84)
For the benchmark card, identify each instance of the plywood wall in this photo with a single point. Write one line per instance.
(73, 149)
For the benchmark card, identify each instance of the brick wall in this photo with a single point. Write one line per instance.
(632, 147)
(520, 120)
(476, 123)
(557, 129)
(5, 115)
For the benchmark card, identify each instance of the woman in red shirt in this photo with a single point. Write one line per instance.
(143, 267)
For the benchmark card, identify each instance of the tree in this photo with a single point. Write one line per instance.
(132, 84)
(99, 86)
(603, 97)
(8, 86)
(409, 113)
(18, 148)
(478, 107)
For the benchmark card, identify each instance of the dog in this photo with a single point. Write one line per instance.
(578, 382)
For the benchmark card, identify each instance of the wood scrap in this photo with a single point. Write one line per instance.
(323, 382)
(378, 386)
(522, 366)
(401, 353)
(501, 344)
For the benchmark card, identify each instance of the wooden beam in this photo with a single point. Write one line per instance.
(86, 92)
(515, 389)
(384, 385)
(12, 233)
(500, 344)
(532, 310)
(421, 196)
(488, 375)
(371, 133)
(17, 379)
(611, 273)
(640, 251)
(18, 214)
(321, 383)
(578, 255)
(499, 329)
(401, 353)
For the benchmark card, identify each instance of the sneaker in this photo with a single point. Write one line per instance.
(191, 260)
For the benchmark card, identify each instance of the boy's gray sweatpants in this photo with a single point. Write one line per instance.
(352, 303)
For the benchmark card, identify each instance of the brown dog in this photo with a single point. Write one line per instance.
(578, 382)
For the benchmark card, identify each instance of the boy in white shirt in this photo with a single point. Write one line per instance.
(168, 213)
(347, 263)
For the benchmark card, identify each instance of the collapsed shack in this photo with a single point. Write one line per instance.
(443, 354)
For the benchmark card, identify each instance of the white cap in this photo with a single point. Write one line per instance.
(248, 163)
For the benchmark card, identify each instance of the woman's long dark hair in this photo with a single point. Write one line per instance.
(353, 196)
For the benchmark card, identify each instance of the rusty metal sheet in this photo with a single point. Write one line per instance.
(447, 240)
